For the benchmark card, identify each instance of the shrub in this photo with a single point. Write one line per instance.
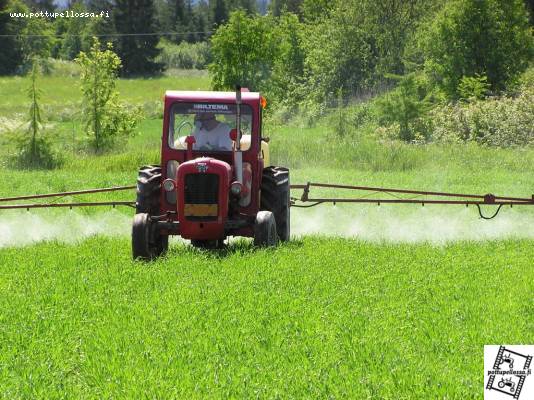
(505, 121)
(473, 87)
(35, 154)
(405, 107)
(185, 55)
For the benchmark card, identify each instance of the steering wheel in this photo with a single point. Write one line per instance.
(178, 130)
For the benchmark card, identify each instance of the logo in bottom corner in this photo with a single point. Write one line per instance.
(508, 373)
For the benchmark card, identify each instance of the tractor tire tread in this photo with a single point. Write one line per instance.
(275, 198)
(148, 190)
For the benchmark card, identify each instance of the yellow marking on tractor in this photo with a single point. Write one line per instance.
(200, 210)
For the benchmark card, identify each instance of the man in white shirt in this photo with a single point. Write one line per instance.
(211, 134)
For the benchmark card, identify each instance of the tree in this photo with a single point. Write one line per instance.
(288, 65)
(42, 5)
(469, 37)
(405, 106)
(35, 122)
(314, 10)
(220, 14)
(104, 117)
(138, 47)
(277, 7)
(243, 52)
(30, 38)
(37, 40)
(11, 56)
(34, 150)
(248, 5)
(72, 41)
(339, 54)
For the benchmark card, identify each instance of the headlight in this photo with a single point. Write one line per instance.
(236, 188)
(169, 185)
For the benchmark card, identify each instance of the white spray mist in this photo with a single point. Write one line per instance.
(411, 224)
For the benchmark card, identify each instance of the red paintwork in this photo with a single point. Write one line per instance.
(206, 230)
(252, 99)
(190, 141)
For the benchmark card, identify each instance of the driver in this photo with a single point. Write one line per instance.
(211, 134)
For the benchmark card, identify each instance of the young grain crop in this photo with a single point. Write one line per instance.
(316, 318)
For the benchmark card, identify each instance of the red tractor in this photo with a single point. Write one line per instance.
(214, 180)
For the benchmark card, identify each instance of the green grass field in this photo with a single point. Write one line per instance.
(319, 317)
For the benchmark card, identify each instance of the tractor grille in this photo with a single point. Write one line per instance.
(201, 189)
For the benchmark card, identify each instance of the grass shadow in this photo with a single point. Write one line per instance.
(240, 247)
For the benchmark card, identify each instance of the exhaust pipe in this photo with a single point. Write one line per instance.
(238, 156)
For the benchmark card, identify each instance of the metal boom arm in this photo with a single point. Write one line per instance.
(437, 197)
(65, 205)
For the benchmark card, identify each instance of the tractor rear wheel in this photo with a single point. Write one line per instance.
(148, 190)
(146, 243)
(275, 198)
(265, 230)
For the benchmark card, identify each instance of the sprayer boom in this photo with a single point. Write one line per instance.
(419, 197)
(305, 200)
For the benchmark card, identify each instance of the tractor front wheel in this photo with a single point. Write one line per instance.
(265, 230)
(275, 198)
(146, 243)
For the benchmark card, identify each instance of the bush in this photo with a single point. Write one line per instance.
(35, 153)
(473, 88)
(185, 55)
(404, 108)
(505, 121)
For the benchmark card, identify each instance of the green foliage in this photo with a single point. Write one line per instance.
(281, 7)
(390, 25)
(315, 10)
(338, 55)
(288, 65)
(34, 150)
(137, 53)
(505, 121)
(339, 119)
(104, 116)
(76, 35)
(473, 87)
(11, 54)
(404, 108)
(243, 51)
(185, 55)
(33, 39)
(469, 37)
(36, 41)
